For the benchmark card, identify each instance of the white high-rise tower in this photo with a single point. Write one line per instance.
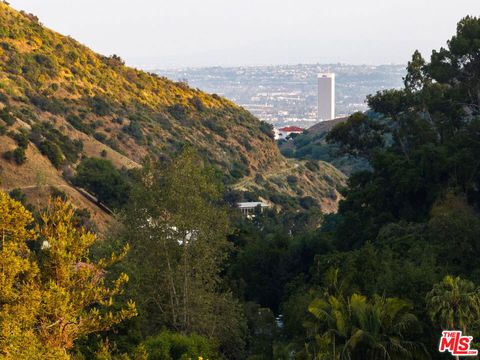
(326, 96)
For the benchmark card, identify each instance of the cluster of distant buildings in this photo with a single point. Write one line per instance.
(285, 95)
(325, 105)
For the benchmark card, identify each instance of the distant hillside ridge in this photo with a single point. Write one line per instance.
(312, 145)
(326, 126)
(68, 102)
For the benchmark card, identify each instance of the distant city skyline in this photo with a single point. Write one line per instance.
(190, 33)
(286, 95)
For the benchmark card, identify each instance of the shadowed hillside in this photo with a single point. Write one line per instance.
(312, 145)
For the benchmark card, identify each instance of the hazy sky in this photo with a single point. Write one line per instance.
(178, 33)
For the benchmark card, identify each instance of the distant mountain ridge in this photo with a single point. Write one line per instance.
(69, 102)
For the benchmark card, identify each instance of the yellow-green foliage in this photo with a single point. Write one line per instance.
(20, 295)
(52, 295)
(50, 78)
(57, 59)
(124, 108)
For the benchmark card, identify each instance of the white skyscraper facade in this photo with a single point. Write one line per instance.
(326, 96)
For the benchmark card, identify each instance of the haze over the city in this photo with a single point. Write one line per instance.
(172, 34)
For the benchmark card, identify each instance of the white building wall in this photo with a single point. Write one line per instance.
(326, 96)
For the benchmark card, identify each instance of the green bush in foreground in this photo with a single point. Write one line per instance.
(175, 346)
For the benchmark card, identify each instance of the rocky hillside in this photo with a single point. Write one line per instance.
(60, 101)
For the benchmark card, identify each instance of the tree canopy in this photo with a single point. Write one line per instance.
(52, 294)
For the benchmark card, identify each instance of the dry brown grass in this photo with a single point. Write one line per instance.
(37, 176)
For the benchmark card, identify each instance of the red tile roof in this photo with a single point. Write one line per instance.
(291, 129)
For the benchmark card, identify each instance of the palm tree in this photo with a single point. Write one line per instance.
(381, 328)
(355, 327)
(334, 316)
(454, 303)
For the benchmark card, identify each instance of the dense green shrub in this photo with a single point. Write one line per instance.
(239, 170)
(55, 145)
(308, 202)
(53, 152)
(102, 179)
(52, 105)
(292, 180)
(78, 124)
(163, 121)
(100, 106)
(8, 155)
(176, 346)
(19, 155)
(312, 165)
(6, 116)
(197, 103)
(19, 195)
(267, 129)
(98, 123)
(58, 193)
(216, 126)
(46, 63)
(287, 152)
(3, 98)
(178, 111)
(134, 130)
(100, 137)
(26, 114)
(21, 138)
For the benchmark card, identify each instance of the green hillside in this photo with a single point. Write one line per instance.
(68, 102)
(312, 144)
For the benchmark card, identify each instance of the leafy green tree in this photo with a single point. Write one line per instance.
(428, 129)
(177, 232)
(452, 231)
(416, 76)
(360, 135)
(266, 258)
